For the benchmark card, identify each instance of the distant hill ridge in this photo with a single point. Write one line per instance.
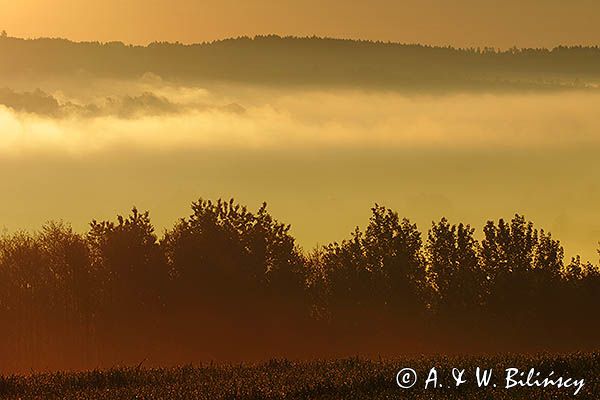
(314, 39)
(273, 59)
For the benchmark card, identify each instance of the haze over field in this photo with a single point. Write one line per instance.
(320, 156)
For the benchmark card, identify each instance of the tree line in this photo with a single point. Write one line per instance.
(226, 283)
(272, 59)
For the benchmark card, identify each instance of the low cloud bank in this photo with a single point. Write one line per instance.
(42, 104)
(163, 117)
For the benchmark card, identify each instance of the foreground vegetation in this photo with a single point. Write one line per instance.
(339, 379)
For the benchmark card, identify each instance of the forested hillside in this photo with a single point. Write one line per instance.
(309, 61)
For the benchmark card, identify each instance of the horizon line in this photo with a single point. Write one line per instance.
(301, 37)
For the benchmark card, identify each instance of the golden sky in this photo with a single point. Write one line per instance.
(524, 23)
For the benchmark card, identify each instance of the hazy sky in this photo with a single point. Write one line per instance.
(524, 23)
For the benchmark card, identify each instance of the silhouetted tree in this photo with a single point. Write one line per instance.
(382, 269)
(394, 246)
(549, 255)
(229, 256)
(454, 264)
(128, 258)
(524, 270)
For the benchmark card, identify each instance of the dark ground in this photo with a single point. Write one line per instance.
(338, 379)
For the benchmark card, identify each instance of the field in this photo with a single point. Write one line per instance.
(338, 379)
